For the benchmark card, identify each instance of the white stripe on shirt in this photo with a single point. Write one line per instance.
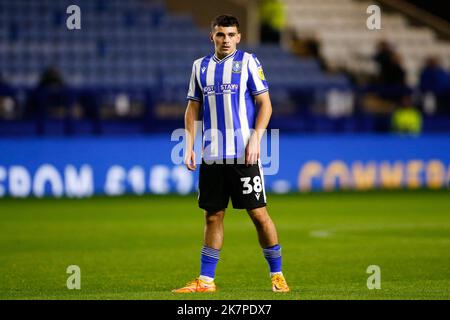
(229, 128)
(212, 109)
(255, 72)
(242, 105)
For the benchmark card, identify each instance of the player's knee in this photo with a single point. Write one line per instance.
(259, 217)
(214, 217)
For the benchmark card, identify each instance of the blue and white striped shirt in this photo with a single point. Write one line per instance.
(227, 90)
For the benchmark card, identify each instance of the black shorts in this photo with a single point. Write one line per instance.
(218, 182)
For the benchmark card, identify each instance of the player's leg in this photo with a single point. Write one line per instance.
(213, 198)
(267, 233)
(249, 193)
(214, 229)
(212, 244)
(210, 254)
(268, 239)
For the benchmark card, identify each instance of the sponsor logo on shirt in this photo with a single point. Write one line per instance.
(231, 88)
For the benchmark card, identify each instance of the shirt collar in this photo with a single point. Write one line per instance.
(217, 60)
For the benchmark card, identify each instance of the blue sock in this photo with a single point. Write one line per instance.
(209, 260)
(273, 257)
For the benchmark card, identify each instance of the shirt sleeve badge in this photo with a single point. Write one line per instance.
(261, 74)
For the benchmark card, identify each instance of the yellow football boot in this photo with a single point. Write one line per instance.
(279, 283)
(196, 285)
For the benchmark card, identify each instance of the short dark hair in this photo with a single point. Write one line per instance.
(225, 20)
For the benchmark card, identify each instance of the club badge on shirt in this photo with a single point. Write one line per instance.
(237, 66)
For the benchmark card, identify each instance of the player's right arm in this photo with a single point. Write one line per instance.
(190, 116)
(194, 98)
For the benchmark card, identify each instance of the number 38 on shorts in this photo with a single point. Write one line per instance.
(257, 186)
(244, 184)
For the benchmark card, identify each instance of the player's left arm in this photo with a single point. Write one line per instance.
(264, 112)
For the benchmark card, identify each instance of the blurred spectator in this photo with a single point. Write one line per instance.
(51, 97)
(49, 85)
(391, 71)
(435, 86)
(406, 118)
(51, 78)
(5, 87)
(433, 77)
(308, 48)
(394, 74)
(313, 46)
(7, 99)
(272, 20)
(383, 54)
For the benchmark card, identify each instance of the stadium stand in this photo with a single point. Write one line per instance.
(127, 69)
(346, 45)
(337, 25)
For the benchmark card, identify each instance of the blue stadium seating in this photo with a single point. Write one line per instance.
(125, 37)
(133, 44)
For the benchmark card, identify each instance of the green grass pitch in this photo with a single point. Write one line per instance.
(142, 247)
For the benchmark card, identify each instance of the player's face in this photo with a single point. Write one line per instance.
(225, 40)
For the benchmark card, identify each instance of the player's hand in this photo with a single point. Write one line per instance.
(189, 161)
(252, 150)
